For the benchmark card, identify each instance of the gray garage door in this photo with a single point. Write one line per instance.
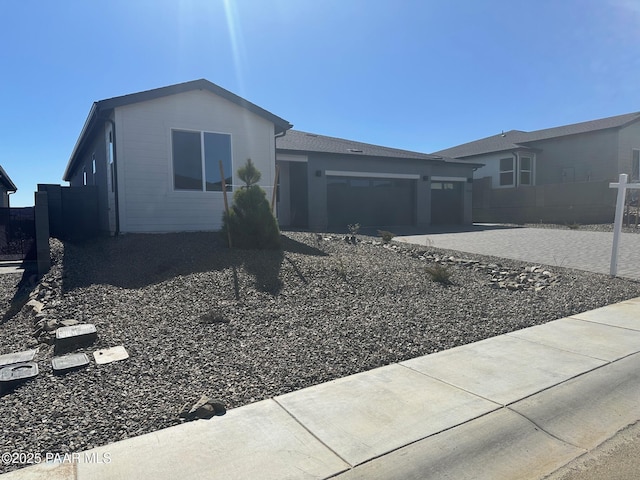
(446, 203)
(370, 201)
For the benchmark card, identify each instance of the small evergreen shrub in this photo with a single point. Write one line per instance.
(439, 273)
(386, 236)
(354, 228)
(250, 220)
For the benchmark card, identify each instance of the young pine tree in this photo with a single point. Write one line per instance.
(250, 221)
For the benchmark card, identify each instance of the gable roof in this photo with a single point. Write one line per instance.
(6, 181)
(101, 109)
(514, 139)
(298, 141)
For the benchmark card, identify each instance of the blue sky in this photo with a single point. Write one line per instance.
(421, 75)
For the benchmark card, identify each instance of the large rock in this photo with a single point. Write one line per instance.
(204, 408)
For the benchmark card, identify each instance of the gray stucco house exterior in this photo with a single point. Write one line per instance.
(328, 182)
(6, 187)
(558, 174)
(153, 157)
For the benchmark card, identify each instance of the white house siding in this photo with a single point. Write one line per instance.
(628, 140)
(491, 166)
(147, 200)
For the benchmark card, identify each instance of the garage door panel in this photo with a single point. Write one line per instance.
(370, 202)
(446, 203)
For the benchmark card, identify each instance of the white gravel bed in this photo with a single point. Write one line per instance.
(243, 326)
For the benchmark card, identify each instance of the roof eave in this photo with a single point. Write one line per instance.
(91, 118)
(435, 158)
(8, 183)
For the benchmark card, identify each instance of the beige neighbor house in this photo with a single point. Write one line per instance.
(558, 174)
(6, 187)
(153, 159)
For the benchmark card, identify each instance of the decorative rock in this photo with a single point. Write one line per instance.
(69, 322)
(36, 306)
(68, 337)
(108, 355)
(66, 363)
(18, 372)
(50, 325)
(204, 408)
(17, 357)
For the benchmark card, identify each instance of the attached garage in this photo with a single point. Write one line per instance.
(370, 201)
(447, 200)
(328, 182)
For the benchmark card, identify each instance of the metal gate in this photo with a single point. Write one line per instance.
(17, 234)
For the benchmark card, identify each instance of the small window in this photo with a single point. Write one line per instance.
(635, 165)
(359, 182)
(187, 161)
(343, 181)
(526, 171)
(84, 176)
(93, 164)
(382, 183)
(506, 172)
(217, 146)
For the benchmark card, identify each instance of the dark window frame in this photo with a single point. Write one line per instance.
(200, 171)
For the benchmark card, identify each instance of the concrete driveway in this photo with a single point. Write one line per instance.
(579, 249)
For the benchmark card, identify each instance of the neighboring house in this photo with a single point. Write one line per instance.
(6, 187)
(332, 182)
(154, 159)
(570, 166)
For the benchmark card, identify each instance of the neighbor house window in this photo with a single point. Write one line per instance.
(84, 176)
(635, 165)
(507, 172)
(525, 173)
(196, 157)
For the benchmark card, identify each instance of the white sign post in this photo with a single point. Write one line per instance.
(622, 187)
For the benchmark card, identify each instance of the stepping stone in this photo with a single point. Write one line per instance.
(76, 335)
(17, 372)
(69, 362)
(109, 355)
(17, 357)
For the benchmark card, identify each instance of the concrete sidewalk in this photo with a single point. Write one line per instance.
(516, 406)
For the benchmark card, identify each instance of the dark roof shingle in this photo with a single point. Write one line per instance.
(517, 138)
(298, 141)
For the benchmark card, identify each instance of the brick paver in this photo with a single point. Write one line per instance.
(582, 250)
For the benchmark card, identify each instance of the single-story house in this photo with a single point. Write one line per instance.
(6, 187)
(154, 157)
(555, 174)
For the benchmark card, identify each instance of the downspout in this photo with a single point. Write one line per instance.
(115, 174)
(275, 157)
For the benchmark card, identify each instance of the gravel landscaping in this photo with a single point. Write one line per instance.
(197, 318)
